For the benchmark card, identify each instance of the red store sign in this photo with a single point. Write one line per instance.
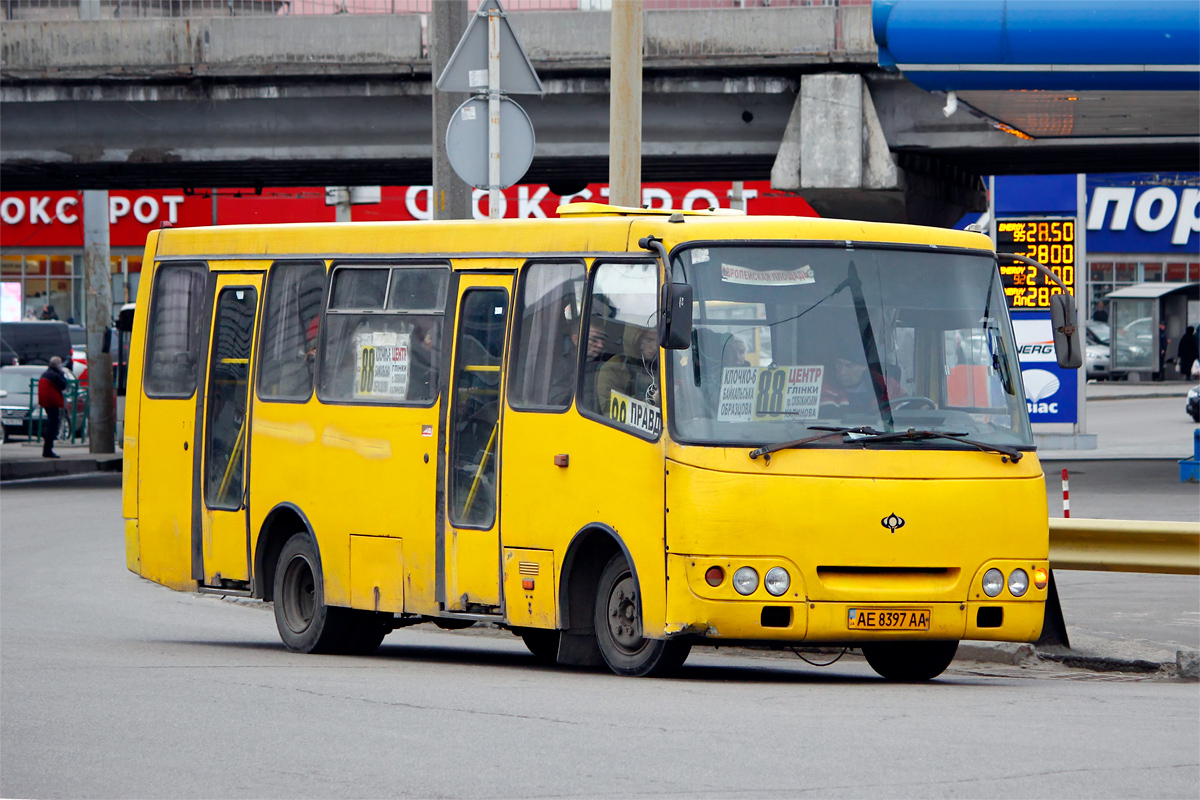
(34, 220)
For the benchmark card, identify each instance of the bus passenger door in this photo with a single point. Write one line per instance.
(470, 546)
(226, 432)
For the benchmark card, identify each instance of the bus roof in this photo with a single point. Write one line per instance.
(584, 229)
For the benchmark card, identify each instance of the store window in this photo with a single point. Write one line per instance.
(51, 285)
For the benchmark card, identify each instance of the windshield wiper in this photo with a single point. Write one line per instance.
(767, 449)
(914, 435)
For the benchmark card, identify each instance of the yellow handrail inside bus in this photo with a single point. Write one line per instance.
(487, 452)
(237, 449)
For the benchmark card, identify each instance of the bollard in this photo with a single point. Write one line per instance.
(1189, 468)
(1066, 496)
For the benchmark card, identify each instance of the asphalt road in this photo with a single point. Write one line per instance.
(111, 686)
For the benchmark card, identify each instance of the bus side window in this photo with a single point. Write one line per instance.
(547, 337)
(621, 385)
(382, 338)
(176, 323)
(291, 321)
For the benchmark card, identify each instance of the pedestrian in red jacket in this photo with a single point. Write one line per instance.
(50, 397)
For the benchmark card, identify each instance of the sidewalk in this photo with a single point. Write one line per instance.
(1124, 390)
(23, 461)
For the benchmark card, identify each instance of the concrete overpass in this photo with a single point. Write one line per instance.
(795, 94)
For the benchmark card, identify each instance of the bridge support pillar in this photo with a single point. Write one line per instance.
(835, 155)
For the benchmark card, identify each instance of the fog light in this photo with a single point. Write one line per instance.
(1040, 578)
(745, 580)
(777, 581)
(715, 576)
(993, 582)
(1018, 582)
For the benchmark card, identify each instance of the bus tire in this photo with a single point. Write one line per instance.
(910, 661)
(305, 623)
(364, 631)
(541, 642)
(618, 621)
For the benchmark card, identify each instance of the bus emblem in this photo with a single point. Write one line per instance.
(892, 522)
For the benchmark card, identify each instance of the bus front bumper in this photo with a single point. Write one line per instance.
(847, 623)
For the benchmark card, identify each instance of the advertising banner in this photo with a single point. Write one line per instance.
(1051, 393)
(1144, 213)
(32, 220)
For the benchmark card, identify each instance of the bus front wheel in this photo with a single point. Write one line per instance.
(618, 620)
(910, 661)
(306, 624)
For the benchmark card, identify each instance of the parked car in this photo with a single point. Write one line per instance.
(1193, 404)
(1098, 350)
(16, 382)
(29, 342)
(79, 350)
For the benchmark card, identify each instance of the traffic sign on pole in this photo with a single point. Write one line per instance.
(467, 143)
(485, 62)
(468, 66)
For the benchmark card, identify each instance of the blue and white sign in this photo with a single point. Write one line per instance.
(1144, 213)
(1051, 393)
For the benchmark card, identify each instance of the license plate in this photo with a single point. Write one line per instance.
(888, 619)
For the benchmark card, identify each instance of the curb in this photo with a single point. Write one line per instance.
(1148, 396)
(53, 468)
(1185, 667)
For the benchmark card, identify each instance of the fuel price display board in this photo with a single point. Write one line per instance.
(1050, 242)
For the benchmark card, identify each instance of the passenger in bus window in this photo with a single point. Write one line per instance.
(735, 353)
(597, 341)
(635, 372)
(853, 387)
(424, 358)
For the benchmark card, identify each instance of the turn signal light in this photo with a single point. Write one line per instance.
(1040, 578)
(715, 576)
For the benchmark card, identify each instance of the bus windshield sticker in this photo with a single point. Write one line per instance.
(381, 365)
(634, 413)
(737, 394)
(766, 393)
(731, 273)
(700, 255)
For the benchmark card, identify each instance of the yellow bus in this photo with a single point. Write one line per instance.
(619, 434)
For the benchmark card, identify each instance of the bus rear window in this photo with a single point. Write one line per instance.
(175, 330)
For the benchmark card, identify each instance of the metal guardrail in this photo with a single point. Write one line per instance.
(1116, 545)
(134, 9)
(72, 425)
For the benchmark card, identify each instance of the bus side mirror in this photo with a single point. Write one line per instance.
(676, 331)
(1068, 340)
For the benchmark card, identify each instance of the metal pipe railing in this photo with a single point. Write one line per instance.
(133, 9)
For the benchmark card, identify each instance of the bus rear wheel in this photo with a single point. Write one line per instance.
(618, 620)
(910, 661)
(305, 623)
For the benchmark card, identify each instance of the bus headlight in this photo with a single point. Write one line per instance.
(777, 581)
(993, 582)
(745, 580)
(1018, 582)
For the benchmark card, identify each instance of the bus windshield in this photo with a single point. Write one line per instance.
(787, 337)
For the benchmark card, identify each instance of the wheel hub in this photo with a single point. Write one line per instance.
(299, 595)
(624, 622)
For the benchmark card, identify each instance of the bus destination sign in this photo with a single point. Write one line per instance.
(1050, 242)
